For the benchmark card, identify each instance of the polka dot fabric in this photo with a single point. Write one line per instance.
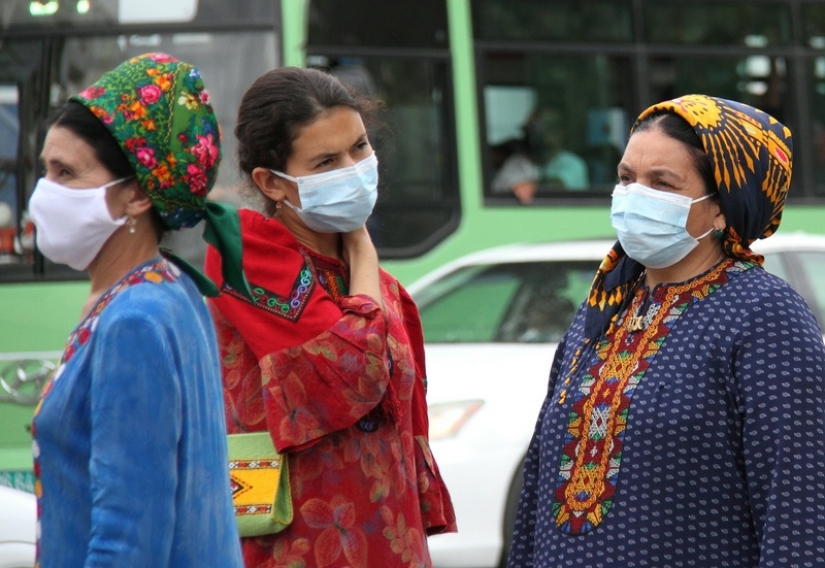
(724, 454)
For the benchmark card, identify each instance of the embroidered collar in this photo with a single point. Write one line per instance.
(154, 272)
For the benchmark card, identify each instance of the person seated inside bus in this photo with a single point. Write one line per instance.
(8, 232)
(540, 158)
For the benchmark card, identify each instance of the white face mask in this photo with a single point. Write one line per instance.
(651, 225)
(72, 224)
(338, 201)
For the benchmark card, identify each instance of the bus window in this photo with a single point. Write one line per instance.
(816, 77)
(10, 250)
(20, 93)
(556, 93)
(553, 125)
(404, 62)
(717, 22)
(813, 19)
(560, 20)
(758, 80)
(410, 205)
(9, 134)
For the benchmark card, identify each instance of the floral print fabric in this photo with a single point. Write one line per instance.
(346, 405)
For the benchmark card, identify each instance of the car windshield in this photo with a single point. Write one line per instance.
(519, 302)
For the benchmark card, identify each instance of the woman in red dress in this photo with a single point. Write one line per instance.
(328, 355)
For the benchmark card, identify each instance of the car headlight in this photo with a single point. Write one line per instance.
(446, 419)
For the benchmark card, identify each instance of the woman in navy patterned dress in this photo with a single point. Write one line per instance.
(684, 419)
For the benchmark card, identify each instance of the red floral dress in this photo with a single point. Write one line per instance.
(341, 387)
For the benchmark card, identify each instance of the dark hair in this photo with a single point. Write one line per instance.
(80, 120)
(679, 129)
(84, 124)
(281, 102)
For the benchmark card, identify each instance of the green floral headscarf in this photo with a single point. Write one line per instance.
(158, 111)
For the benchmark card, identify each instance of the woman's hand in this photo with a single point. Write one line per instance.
(360, 254)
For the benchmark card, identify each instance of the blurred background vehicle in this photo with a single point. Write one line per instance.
(492, 321)
(18, 526)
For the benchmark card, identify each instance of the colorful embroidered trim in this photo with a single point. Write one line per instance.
(153, 273)
(289, 308)
(594, 442)
(332, 282)
(252, 486)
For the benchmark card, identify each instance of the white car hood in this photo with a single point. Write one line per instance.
(511, 379)
(18, 516)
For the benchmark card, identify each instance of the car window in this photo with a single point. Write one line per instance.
(775, 265)
(530, 302)
(812, 265)
(805, 271)
(467, 305)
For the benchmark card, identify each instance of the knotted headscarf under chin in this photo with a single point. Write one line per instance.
(751, 156)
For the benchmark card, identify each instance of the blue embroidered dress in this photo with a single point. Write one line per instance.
(691, 435)
(130, 443)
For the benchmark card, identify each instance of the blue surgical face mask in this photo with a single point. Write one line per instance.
(338, 201)
(651, 224)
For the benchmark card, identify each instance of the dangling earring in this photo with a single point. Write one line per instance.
(718, 234)
(132, 223)
(277, 205)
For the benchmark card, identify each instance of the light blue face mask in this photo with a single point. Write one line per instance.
(338, 201)
(651, 224)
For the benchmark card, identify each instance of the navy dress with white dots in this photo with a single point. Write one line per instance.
(693, 434)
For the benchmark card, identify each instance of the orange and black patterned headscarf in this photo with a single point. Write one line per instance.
(750, 154)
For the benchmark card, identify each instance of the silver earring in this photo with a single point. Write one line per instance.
(132, 222)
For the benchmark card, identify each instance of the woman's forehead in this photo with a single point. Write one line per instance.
(64, 146)
(334, 131)
(655, 149)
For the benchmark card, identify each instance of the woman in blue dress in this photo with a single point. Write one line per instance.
(684, 416)
(129, 438)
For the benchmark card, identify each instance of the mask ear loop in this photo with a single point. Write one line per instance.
(712, 229)
(705, 234)
(286, 200)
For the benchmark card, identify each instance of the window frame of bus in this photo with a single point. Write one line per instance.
(52, 31)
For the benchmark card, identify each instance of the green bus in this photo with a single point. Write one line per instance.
(470, 88)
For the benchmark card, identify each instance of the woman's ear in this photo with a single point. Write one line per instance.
(271, 185)
(127, 199)
(137, 201)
